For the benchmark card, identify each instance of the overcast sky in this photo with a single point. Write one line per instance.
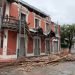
(61, 11)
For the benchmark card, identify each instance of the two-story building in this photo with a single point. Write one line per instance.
(26, 31)
(56, 40)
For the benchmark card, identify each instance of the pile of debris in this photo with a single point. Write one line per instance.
(29, 63)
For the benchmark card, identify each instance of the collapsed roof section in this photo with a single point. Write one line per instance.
(39, 32)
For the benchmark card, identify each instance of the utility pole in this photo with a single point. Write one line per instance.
(20, 30)
(1, 11)
(24, 38)
(19, 35)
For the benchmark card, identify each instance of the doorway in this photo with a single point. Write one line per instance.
(55, 47)
(22, 47)
(36, 46)
(47, 46)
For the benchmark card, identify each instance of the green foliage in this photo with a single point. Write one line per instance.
(67, 34)
(63, 45)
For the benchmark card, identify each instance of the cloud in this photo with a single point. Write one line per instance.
(62, 11)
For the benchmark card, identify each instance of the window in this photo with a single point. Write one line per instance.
(36, 23)
(47, 46)
(23, 17)
(47, 27)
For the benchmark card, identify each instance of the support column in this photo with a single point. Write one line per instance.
(17, 45)
(52, 47)
(58, 45)
(5, 40)
(0, 40)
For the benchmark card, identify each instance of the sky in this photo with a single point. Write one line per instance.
(60, 11)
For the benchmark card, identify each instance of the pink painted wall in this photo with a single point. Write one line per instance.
(31, 20)
(42, 45)
(1, 51)
(12, 40)
(43, 24)
(14, 10)
(30, 45)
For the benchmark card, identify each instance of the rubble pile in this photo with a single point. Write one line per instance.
(29, 63)
(70, 57)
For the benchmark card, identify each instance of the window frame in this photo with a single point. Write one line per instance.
(39, 22)
(47, 25)
(23, 17)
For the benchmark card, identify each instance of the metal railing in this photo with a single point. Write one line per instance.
(13, 23)
(10, 22)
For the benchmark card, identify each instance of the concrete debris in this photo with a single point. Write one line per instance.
(29, 63)
(53, 57)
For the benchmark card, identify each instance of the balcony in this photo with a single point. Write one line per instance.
(10, 23)
(14, 24)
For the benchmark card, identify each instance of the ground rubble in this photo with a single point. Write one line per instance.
(27, 64)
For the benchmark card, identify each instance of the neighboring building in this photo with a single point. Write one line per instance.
(56, 39)
(73, 46)
(41, 37)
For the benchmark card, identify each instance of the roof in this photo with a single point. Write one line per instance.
(33, 8)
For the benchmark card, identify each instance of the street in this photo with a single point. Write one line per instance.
(63, 68)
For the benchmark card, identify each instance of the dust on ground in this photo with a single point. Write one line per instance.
(63, 68)
(42, 66)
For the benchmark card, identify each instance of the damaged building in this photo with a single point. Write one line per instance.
(26, 31)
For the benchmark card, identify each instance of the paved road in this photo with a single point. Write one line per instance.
(66, 68)
(73, 50)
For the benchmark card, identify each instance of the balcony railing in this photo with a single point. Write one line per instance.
(10, 22)
(14, 24)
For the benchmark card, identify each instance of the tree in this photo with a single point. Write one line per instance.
(67, 35)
